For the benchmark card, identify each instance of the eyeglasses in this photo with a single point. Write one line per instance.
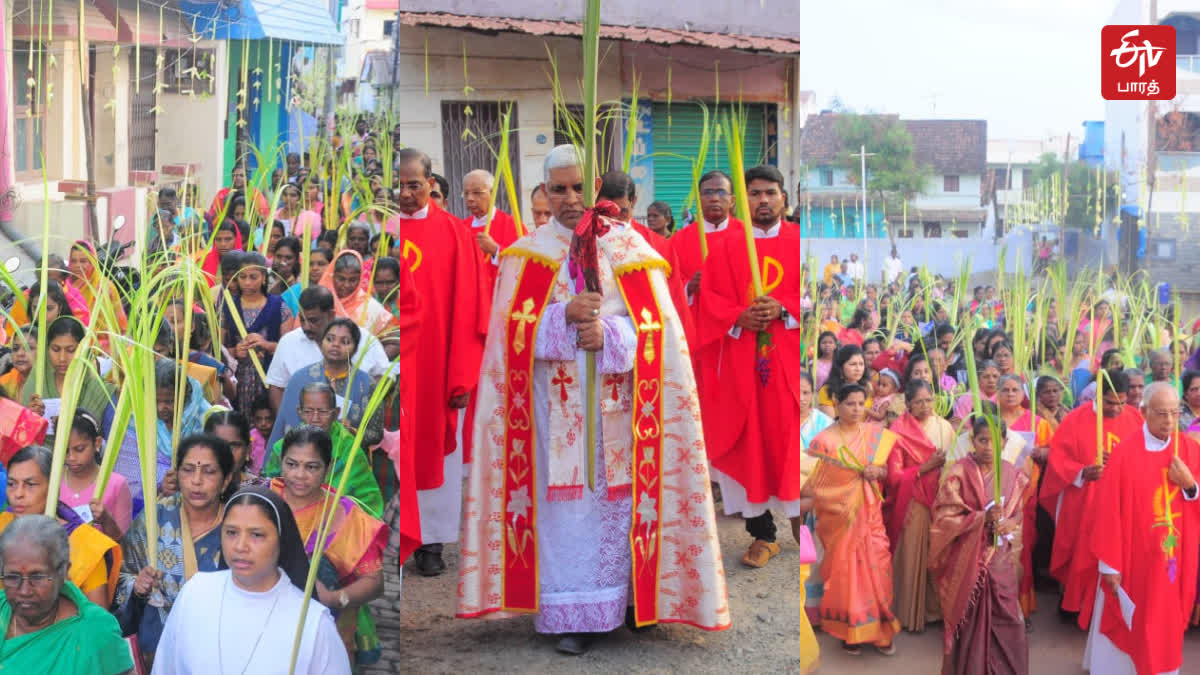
(475, 193)
(13, 581)
(316, 412)
(1162, 413)
(714, 193)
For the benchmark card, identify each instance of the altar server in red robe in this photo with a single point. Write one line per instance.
(1068, 490)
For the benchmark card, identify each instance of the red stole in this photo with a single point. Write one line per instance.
(519, 586)
(903, 483)
(676, 282)
(732, 378)
(1071, 450)
(1152, 537)
(447, 274)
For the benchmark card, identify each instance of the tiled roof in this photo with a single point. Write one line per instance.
(948, 146)
(660, 36)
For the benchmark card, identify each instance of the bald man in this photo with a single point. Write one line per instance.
(1146, 552)
(539, 205)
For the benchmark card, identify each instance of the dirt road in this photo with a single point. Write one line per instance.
(421, 635)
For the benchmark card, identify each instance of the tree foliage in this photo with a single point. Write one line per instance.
(1086, 198)
(892, 173)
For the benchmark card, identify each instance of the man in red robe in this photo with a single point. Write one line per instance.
(446, 269)
(1148, 552)
(752, 344)
(238, 180)
(716, 203)
(1068, 490)
(493, 237)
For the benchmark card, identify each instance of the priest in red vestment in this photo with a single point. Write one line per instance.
(491, 238)
(1148, 550)
(716, 206)
(238, 180)
(1068, 491)
(447, 270)
(752, 345)
(588, 538)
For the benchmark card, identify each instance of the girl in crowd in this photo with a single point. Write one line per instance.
(263, 316)
(112, 514)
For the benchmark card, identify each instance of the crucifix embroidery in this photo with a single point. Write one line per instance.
(649, 325)
(561, 380)
(615, 380)
(524, 318)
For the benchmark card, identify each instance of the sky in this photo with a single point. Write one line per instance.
(1031, 68)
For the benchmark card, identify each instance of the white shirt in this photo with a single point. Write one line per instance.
(254, 631)
(423, 213)
(856, 270)
(295, 352)
(477, 223)
(709, 227)
(892, 267)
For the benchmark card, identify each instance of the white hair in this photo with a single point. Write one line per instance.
(482, 174)
(560, 157)
(1154, 389)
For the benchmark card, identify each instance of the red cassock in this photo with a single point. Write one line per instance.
(1151, 535)
(503, 230)
(686, 245)
(749, 394)
(448, 275)
(675, 281)
(1072, 449)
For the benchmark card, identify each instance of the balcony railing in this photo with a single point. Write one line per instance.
(1188, 62)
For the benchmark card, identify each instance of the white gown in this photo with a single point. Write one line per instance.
(256, 631)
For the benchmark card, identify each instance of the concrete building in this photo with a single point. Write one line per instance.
(175, 95)
(455, 70)
(949, 206)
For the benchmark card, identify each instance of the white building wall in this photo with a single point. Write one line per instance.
(190, 128)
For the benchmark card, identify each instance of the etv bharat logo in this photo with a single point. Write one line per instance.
(1137, 63)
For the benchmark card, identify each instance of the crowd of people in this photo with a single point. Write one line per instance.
(569, 403)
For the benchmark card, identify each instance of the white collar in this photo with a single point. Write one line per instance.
(709, 227)
(1153, 443)
(562, 228)
(477, 223)
(419, 215)
(773, 231)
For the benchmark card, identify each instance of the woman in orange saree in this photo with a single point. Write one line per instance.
(92, 284)
(350, 574)
(857, 569)
(977, 572)
(914, 466)
(1035, 447)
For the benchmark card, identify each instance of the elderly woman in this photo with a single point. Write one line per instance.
(243, 619)
(988, 374)
(914, 466)
(49, 626)
(95, 558)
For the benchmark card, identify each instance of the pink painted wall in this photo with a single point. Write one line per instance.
(6, 158)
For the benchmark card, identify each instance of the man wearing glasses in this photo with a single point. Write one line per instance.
(1146, 546)
(716, 202)
(448, 273)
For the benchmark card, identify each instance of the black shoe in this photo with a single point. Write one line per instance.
(428, 560)
(575, 644)
(631, 621)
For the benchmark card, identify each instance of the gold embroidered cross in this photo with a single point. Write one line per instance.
(524, 317)
(649, 325)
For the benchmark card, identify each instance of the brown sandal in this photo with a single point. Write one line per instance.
(760, 552)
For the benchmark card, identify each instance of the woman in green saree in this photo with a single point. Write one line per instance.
(318, 407)
(46, 623)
